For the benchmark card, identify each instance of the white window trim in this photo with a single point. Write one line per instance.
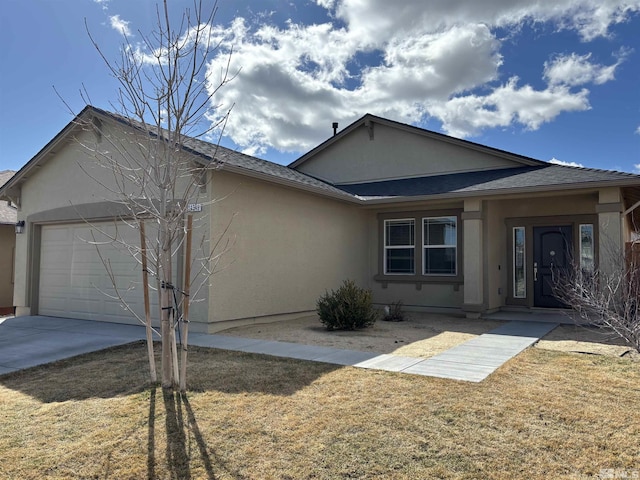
(524, 261)
(397, 247)
(454, 246)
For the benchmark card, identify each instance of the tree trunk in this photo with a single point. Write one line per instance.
(147, 312)
(164, 262)
(185, 308)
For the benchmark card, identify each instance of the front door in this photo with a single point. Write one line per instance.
(551, 254)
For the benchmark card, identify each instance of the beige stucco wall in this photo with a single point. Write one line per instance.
(496, 266)
(542, 205)
(286, 247)
(394, 153)
(7, 246)
(612, 230)
(68, 178)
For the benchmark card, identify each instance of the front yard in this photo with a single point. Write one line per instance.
(542, 415)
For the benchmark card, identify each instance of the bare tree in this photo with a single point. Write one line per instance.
(607, 297)
(164, 101)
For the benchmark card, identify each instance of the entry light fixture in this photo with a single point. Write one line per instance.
(20, 227)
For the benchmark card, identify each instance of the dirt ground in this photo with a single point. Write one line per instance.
(425, 335)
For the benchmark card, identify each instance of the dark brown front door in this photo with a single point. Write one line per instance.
(551, 254)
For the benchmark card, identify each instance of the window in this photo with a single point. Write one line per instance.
(440, 242)
(587, 263)
(420, 247)
(399, 247)
(519, 265)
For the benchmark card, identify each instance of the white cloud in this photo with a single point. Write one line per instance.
(120, 25)
(466, 115)
(636, 168)
(555, 161)
(442, 62)
(578, 70)
(638, 130)
(103, 3)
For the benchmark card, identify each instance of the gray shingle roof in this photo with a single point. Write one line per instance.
(217, 153)
(550, 175)
(534, 175)
(236, 159)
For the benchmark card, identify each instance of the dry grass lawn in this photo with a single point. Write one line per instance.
(542, 415)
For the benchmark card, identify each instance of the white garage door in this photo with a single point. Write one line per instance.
(73, 279)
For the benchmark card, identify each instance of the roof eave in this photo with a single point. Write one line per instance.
(498, 192)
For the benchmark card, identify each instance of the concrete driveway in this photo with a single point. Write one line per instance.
(36, 340)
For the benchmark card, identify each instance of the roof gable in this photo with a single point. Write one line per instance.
(205, 152)
(377, 149)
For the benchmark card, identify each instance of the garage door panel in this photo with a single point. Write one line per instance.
(54, 303)
(79, 306)
(73, 279)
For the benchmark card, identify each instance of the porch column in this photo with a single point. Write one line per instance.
(610, 226)
(473, 254)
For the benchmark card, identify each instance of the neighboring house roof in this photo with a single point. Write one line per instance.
(8, 213)
(548, 176)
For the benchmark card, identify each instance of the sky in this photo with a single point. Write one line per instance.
(555, 80)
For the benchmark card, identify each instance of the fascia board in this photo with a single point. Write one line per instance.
(497, 192)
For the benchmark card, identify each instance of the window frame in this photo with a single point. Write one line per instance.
(592, 267)
(386, 247)
(434, 246)
(524, 260)
(418, 278)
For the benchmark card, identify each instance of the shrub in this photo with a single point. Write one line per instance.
(348, 308)
(394, 313)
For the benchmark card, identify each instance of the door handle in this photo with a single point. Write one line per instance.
(535, 271)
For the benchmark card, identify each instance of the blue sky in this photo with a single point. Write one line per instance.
(554, 79)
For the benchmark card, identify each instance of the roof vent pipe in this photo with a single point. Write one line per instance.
(335, 128)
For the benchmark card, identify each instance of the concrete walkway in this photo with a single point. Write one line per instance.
(30, 341)
(479, 357)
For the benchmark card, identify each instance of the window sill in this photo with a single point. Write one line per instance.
(420, 279)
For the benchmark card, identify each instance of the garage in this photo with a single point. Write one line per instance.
(73, 280)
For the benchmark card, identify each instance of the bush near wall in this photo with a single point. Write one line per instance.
(348, 308)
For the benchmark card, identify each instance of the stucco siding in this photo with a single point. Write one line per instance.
(545, 206)
(394, 153)
(284, 248)
(496, 267)
(431, 297)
